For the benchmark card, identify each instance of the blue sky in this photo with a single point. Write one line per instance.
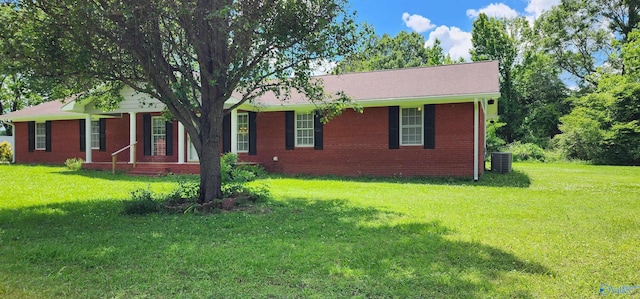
(448, 21)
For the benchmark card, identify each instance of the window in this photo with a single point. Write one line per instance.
(95, 134)
(243, 132)
(158, 136)
(304, 130)
(411, 126)
(41, 136)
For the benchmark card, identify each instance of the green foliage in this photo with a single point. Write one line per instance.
(186, 192)
(235, 176)
(74, 164)
(526, 152)
(631, 55)
(386, 52)
(185, 195)
(603, 127)
(494, 142)
(6, 154)
(141, 203)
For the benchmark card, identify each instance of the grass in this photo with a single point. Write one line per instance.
(546, 230)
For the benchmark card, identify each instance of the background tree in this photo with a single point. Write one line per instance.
(532, 93)
(191, 55)
(604, 126)
(491, 41)
(386, 52)
(582, 35)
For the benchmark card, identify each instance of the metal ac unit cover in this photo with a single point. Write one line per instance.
(501, 162)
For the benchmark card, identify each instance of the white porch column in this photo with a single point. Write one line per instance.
(234, 131)
(132, 135)
(87, 139)
(476, 120)
(181, 143)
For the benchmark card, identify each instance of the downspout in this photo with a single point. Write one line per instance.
(476, 120)
(484, 112)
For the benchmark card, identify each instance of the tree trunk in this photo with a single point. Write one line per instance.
(210, 179)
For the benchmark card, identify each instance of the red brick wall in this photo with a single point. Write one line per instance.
(354, 144)
(357, 144)
(65, 143)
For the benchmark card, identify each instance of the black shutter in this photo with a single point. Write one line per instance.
(83, 137)
(430, 126)
(226, 133)
(31, 128)
(289, 128)
(168, 136)
(253, 137)
(47, 137)
(146, 133)
(103, 134)
(317, 132)
(394, 127)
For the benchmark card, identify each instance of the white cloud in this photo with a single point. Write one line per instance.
(453, 40)
(417, 23)
(537, 7)
(496, 10)
(322, 67)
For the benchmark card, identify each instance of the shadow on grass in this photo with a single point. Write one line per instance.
(291, 248)
(120, 176)
(516, 178)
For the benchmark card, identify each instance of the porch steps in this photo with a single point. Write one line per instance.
(149, 170)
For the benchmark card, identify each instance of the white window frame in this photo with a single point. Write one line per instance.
(242, 137)
(41, 136)
(305, 132)
(419, 126)
(156, 136)
(95, 134)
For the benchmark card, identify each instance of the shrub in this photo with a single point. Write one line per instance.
(494, 143)
(183, 198)
(74, 164)
(526, 152)
(6, 154)
(141, 203)
(185, 192)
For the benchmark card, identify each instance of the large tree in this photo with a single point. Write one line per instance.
(386, 52)
(491, 41)
(582, 35)
(193, 54)
(532, 93)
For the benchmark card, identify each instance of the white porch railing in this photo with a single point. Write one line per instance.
(114, 156)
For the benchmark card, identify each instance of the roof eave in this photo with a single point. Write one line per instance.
(439, 99)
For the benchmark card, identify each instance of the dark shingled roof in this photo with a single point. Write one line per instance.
(470, 79)
(456, 80)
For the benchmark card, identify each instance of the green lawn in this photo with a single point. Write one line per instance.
(547, 230)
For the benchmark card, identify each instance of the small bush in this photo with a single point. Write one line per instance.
(185, 192)
(141, 203)
(74, 164)
(526, 152)
(6, 154)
